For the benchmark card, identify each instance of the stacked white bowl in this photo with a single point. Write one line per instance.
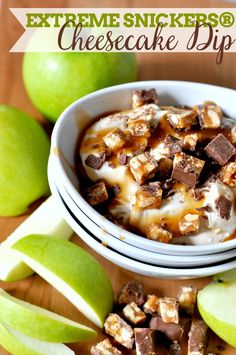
(124, 248)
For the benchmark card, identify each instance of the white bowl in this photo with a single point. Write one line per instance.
(130, 264)
(77, 116)
(134, 252)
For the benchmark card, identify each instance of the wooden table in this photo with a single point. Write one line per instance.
(200, 67)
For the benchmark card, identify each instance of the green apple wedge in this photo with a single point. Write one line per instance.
(227, 276)
(217, 306)
(45, 220)
(72, 271)
(40, 323)
(20, 344)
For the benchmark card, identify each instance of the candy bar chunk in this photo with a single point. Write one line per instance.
(182, 118)
(228, 174)
(105, 348)
(123, 159)
(134, 314)
(139, 127)
(95, 161)
(155, 232)
(143, 97)
(172, 145)
(164, 168)
(186, 169)
(119, 330)
(190, 141)
(220, 149)
(115, 139)
(149, 196)
(151, 305)
(175, 349)
(197, 338)
(233, 135)
(143, 167)
(169, 310)
(145, 341)
(131, 292)
(189, 224)
(210, 116)
(223, 206)
(96, 193)
(172, 331)
(187, 299)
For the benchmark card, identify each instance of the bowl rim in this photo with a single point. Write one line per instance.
(108, 225)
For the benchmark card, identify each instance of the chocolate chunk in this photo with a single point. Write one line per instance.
(142, 97)
(96, 193)
(173, 145)
(175, 349)
(197, 337)
(123, 159)
(172, 331)
(220, 149)
(116, 190)
(145, 341)
(223, 206)
(132, 292)
(95, 162)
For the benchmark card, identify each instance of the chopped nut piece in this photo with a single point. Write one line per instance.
(210, 115)
(220, 149)
(182, 118)
(187, 298)
(175, 349)
(143, 166)
(223, 206)
(105, 348)
(134, 314)
(228, 174)
(186, 169)
(131, 292)
(145, 341)
(120, 330)
(96, 193)
(115, 139)
(94, 161)
(172, 331)
(151, 305)
(148, 196)
(197, 338)
(189, 224)
(155, 232)
(139, 127)
(172, 145)
(142, 97)
(169, 310)
(190, 141)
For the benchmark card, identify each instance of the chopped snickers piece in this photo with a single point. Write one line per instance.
(182, 118)
(187, 299)
(155, 232)
(96, 193)
(228, 174)
(151, 305)
(134, 314)
(197, 338)
(223, 206)
(172, 331)
(209, 115)
(175, 349)
(94, 161)
(190, 141)
(186, 169)
(233, 135)
(172, 145)
(148, 196)
(142, 97)
(143, 167)
(119, 330)
(169, 310)
(139, 127)
(115, 139)
(164, 168)
(131, 292)
(123, 159)
(189, 224)
(220, 149)
(145, 341)
(105, 348)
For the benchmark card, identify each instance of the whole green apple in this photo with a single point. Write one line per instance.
(54, 80)
(24, 151)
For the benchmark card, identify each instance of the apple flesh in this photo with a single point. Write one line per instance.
(72, 271)
(40, 323)
(217, 306)
(227, 276)
(17, 343)
(45, 220)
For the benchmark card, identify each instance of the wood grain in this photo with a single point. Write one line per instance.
(192, 67)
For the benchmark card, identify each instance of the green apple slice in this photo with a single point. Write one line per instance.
(20, 344)
(217, 306)
(39, 322)
(72, 271)
(45, 220)
(227, 276)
